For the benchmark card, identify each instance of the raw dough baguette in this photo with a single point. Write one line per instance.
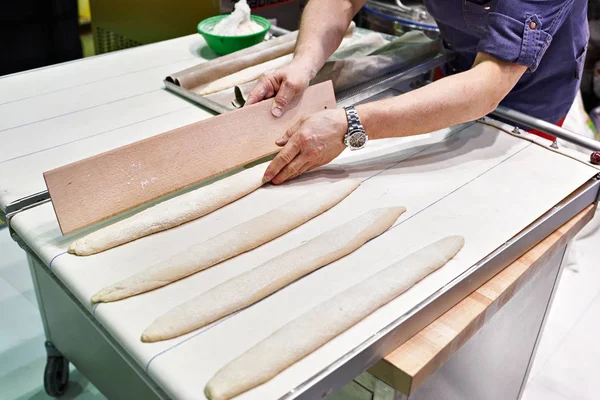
(234, 62)
(243, 76)
(256, 284)
(172, 212)
(209, 71)
(305, 334)
(237, 240)
(253, 72)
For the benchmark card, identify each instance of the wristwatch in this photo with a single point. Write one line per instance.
(356, 138)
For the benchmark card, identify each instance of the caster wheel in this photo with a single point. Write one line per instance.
(56, 376)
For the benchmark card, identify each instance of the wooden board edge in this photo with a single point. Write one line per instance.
(390, 368)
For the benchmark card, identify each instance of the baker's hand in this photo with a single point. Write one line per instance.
(284, 83)
(313, 141)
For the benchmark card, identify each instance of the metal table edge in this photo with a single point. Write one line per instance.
(144, 376)
(371, 351)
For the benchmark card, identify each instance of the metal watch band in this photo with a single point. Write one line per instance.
(356, 137)
(353, 120)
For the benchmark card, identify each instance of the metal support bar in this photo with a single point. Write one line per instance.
(380, 84)
(278, 31)
(546, 127)
(24, 204)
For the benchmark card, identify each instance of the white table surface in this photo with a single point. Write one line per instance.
(59, 114)
(474, 180)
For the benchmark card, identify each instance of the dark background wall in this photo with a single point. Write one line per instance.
(35, 33)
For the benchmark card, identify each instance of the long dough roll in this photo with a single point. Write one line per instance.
(305, 334)
(256, 284)
(237, 240)
(192, 78)
(243, 76)
(234, 62)
(172, 212)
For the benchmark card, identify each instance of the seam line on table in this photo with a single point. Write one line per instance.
(430, 205)
(398, 224)
(112, 53)
(202, 330)
(404, 159)
(82, 109)
(54, 258)
(460, 187)
(95, 134)
(395, 225)
(96, 81)
(425, 148)
(427, 207)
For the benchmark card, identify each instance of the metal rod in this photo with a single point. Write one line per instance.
(278, 31)
(387, 81)
(546, 127)
(24, 203)
(196, 98)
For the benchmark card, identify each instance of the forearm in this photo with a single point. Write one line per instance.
(450, 101)
(322, 29)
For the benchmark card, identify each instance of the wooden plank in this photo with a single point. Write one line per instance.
(407, 367)
(99, 187)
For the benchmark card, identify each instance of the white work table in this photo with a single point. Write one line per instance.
(473, 180)
(55, 115)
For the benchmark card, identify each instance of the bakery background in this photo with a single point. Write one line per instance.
(85, 29)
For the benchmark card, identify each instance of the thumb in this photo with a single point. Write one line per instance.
(282, 141)
(284, 97)
(258, 93)
(264, 88)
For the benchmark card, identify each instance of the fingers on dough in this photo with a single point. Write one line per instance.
(248, 288)
(237, 240)
(243, 76)
(308, 332)
(172, 212)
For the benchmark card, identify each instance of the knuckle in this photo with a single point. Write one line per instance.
(295, 146)
(282, 100)
(286, 157)
(294, 85)
(263, 79)
(288, 134)
(269, 78)
(303, 139)
(291, 169)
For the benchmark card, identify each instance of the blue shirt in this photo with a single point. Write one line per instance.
(549, 37)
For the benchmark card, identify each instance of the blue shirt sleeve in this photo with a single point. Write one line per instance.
(520, 31)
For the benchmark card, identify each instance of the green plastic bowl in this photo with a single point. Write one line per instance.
(228, 44)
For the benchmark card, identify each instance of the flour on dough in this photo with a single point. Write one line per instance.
(248, 288)
(235, 241)
(305, 334)
(172, 212)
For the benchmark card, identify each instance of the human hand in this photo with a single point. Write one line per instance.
(284, 83)
(313, 141)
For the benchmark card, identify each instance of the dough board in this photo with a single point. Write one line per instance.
(99, 187)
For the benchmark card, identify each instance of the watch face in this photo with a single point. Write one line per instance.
(357, 139)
